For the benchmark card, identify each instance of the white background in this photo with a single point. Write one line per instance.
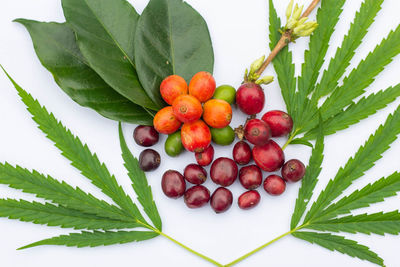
(239, 33)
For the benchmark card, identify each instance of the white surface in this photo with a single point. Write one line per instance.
(239, 32)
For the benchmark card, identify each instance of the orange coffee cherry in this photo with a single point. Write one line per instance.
(165, 121)
(196, 136)
(217, 113)
(172, 87)
(202, 86)
(187, 108)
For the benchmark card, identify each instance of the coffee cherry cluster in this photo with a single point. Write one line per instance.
(195, 119)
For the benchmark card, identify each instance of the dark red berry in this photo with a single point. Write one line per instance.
(249, 199)
(224, 171)
(195, 174)
(221, 200)
(250, 177)
(257, 132)
(149, 160)
(173, 184)
(242, 153)
(145, 135)
(250, 98)
(279, 122)
(269, 157)
(197, 196)
(293, 170)
(274, 185)
(206, 157)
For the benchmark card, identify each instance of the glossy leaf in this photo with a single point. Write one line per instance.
(105, 33)
(56, 47)
(171, 38)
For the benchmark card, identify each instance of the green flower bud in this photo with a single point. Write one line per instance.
(256, 65)
(265, 80)
(297, 12)
(301, 21)
(299, 29)
(289, 10)
(291, 24)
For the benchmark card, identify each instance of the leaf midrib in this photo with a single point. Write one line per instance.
(110, 35)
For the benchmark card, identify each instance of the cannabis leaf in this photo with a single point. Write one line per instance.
(339, 110)
(72, 207)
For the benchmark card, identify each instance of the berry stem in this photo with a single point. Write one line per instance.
(285, 40)
(204, 257)
(264, 246)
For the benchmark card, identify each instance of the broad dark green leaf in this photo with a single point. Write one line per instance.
(56, 47)
(79, 154)
(52, 215)
(283, 62)
(309, 180)
(139, 182)
(95, 239)
(364, 159)
(341, 244)
(105, 33)
(378, 223)
(171, 38)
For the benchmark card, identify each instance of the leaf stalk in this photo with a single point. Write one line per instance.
(245, 256)
(285, 40)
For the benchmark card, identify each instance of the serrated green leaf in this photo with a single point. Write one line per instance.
(339, 63)
(56, 48)
(300, 141)
(105, 33)
(361, 77)
(283, 62)
(370, 194)
(309, 180)
(327, 18)
(79, 154)
(171, 38)
(378, 223)
(52, 215)
(356, 112)
(363, 160)
(61, 193)
(95, 239)
(139, 182)
(340, 244)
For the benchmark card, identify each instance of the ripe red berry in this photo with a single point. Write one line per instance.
(279, 122)
(249, 199)
(250, 98)
(257, 132)
(269, 157)
(149, 160)
(145, 135)
(221, 200)
(197, 196)
(274, 185)
(250, 177)
(293, 170)
(241, 153)
(206, 157)
(224, 171)
(173, 184)
(195, 174)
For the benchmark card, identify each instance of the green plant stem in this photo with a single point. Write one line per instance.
(291, 137)
(245, 256)
(204, 257)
